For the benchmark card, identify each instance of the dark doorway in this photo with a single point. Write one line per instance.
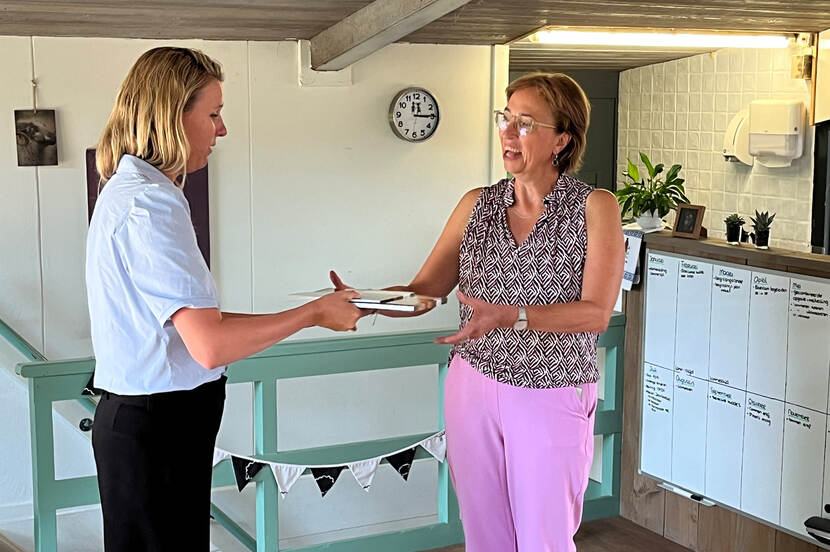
(820, 229)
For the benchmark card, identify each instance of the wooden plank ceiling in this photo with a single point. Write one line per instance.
(479, 22)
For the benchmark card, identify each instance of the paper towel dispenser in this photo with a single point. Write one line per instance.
(776, 131)
(736, 139)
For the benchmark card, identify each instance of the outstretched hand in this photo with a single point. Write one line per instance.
(340, 286)
(338, 283)
(335, 311)
(486, 317)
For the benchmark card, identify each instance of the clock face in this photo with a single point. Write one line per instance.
(413, 114)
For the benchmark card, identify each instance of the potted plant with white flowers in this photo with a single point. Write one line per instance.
(651, 198)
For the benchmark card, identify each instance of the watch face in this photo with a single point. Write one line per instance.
(413, 114)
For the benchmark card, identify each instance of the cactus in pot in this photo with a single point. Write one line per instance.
(761, 223)
(734, 224)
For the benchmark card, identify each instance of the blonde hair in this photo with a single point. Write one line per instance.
(570, 109)
(146, 120)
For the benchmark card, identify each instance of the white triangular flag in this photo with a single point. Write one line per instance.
(286, 475)
(364, 471)
(219, 455)
(436, 446)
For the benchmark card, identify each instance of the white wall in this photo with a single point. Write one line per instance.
(308, 179)
(677, 112)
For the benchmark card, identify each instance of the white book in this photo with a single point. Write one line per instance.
(396, 305)
(383, 299)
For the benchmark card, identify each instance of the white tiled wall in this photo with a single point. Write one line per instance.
(677, 112)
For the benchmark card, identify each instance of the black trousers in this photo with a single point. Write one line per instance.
(154, 455)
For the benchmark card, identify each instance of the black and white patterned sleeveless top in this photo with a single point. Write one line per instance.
(546, 268)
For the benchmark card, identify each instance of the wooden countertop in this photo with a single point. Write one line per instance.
(773, 258)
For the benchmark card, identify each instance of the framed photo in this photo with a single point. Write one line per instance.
(689, 221)
(36, 137)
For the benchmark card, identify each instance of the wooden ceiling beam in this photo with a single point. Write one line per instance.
(371, 28)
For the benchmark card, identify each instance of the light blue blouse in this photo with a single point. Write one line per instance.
(143, 265)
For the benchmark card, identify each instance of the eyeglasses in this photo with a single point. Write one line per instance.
(524, 123)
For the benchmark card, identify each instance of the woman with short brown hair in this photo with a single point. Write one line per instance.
(538, 261)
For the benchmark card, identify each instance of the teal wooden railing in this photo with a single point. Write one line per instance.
(52, 381)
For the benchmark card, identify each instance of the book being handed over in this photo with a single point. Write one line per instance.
(382, 299)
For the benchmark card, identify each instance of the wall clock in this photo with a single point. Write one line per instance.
(413, 114)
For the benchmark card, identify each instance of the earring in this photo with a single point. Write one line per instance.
(555, 159)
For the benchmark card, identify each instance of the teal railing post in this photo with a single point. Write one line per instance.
(43, 471)
(602, 500)
(447, 501)
(265, 441)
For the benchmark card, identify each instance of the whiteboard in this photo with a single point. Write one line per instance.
(660, 315)
(802, 469)
(658, 390)
(729, 326)
(762, 456)
(724, 444)
(694, 292)
(744, 405)
(769, 304)
(808, 350)
(689, 432)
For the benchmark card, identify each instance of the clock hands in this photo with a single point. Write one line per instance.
(431, 116)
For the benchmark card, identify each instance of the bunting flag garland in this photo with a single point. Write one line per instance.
(326, 477)
(286, 475)
(364, 471)
(219, 455)
(244, 469)
(436, 446)
(402, 462)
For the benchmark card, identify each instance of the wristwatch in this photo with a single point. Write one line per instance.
(521, 321)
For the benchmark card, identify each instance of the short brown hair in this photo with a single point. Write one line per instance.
(570, 109)
(146, 120)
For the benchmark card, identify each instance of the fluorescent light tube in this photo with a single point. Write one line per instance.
(660, 40)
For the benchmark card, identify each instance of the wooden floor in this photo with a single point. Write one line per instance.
(611, 535)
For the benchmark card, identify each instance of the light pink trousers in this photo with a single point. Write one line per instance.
(519, 460)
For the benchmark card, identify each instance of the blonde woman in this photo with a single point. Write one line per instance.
(161, 343)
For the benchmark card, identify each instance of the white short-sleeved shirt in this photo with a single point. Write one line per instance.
(143, 265)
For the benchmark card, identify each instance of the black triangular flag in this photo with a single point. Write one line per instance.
(244, 470)
(402, 461)
(326, 477)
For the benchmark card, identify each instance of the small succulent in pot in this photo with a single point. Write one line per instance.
(761, 223)
(734, 224)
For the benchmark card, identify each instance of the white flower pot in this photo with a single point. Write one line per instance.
(650, 220)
